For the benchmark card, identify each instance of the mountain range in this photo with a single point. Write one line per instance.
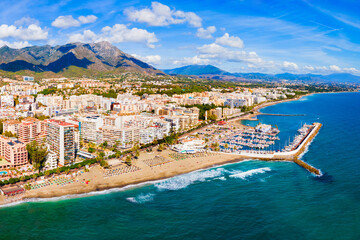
(213, 72)
(76, 59)
(100, 56)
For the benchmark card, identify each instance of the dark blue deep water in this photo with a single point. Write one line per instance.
(248, 200)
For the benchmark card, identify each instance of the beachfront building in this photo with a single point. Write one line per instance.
(259, 99)
(61, 140)
(233, 103)
(190, 146)
(51, 161)
(13, 152)
(31, 129)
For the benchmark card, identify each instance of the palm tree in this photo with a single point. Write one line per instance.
(128, 160)
(161, 147)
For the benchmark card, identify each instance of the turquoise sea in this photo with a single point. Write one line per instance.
(248, 200)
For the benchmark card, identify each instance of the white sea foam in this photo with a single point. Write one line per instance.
(221, 178)
(175, 183)
(182, 181)
(81, 195)
(141, 198)
(244, 175)
(306, 148)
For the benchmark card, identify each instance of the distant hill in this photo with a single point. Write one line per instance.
(343, 77)
(101, 56)
(196, 70)
(213, 72)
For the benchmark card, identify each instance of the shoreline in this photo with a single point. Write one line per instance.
(115, 189)
(135, 179)
(146, 175)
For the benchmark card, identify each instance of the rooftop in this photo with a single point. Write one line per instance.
(60, 123)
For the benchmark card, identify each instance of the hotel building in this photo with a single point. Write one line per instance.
(13, 151)
(61, 140)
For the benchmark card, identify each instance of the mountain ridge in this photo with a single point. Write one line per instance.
(100, 56)
(200, 70)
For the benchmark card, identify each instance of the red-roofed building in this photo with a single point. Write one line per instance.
(61, 139)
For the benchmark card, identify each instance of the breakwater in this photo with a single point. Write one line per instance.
(289, 155)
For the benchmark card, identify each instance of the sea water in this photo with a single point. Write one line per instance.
(247, 200)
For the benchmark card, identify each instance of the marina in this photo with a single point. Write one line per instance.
(252, 142)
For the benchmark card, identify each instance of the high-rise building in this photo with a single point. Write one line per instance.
(89, 126)
(61, 140)
(31, 129)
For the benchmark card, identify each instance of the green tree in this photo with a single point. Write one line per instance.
(101, 155)
(104, 145)
(161, 147)
(8, 134)
(104, 164)
(137, 153)
(37, 154)
(128, 160)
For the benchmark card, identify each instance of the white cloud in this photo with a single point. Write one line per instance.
(206, 32)
(26, 21)
(86, 36)
(68, 21)
(16, 45)
(65, 22)
(329, 69)
(32, 32)
(216, 51)
(161, 15)
(335, 68)
(117, 34)
(151, 59)
(230, 41)
(120, 33)
(87, 19)
(289, 66)
(309, 68)
(191, 61)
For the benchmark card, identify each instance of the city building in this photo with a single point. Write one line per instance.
(27, 78)
(13, 152)
(61, 140)
(11, 126)
(31, 129)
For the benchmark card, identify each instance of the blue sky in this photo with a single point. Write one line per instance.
(236, 35)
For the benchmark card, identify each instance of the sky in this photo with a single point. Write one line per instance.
(269, 36)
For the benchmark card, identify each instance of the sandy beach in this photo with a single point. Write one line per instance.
(146, 168)
(98, 181)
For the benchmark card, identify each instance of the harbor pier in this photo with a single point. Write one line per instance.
(291, 153)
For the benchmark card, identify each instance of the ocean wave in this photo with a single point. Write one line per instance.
(244, 175)
(174, 183)
(141, 198)
(182, 181)
(80, 195)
